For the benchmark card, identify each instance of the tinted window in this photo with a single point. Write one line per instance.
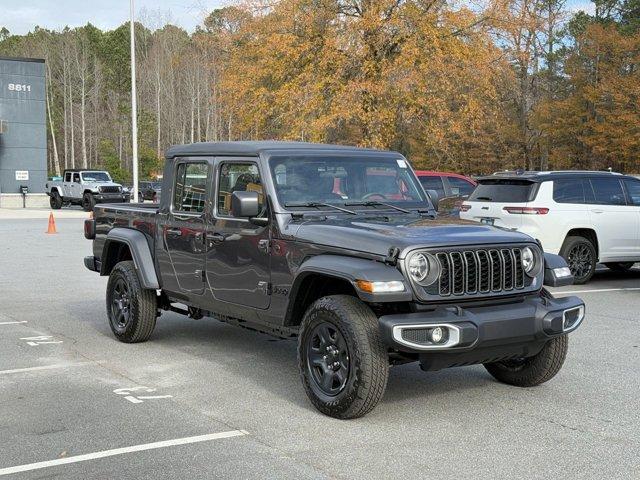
(237, 177)
(190, 187)
(76, 177)
(460, 186)
(67, 177)
(503, 190)
(633, 191)
(608, 191)
(433, 183)
(568, 191)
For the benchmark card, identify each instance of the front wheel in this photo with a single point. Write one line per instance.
(55, 200)
(88, 202)
(131, 309)
(532, 371)
(343, 362)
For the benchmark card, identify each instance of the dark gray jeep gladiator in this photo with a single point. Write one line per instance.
(342, 248)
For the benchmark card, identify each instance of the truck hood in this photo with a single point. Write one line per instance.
(377, 233)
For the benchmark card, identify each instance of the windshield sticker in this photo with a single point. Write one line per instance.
(401, 163)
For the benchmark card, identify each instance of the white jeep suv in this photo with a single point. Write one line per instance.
(586, 217)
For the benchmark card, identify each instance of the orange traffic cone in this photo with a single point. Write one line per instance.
(52, 224)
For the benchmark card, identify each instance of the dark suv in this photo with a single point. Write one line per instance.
(296, 239)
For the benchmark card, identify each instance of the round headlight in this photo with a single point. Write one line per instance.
(528, 260)
(418, 267)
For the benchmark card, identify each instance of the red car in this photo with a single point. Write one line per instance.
(446, 184)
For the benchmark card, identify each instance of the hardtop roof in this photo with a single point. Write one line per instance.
(255, 148)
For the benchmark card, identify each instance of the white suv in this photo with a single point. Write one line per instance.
(587, 217)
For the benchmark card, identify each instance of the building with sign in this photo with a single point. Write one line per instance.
(23, 133)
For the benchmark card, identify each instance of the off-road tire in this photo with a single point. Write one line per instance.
(142, 305)
(55, 200)
(620, 266)
(571, 245)
(367, 356)
(532, 371)
(88, 202)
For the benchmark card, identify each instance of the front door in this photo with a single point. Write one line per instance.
(238, 268)
(183, 230)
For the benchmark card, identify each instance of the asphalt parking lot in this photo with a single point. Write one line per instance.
(203, 399)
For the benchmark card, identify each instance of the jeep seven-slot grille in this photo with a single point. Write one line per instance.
(110, 189)
(480, 271)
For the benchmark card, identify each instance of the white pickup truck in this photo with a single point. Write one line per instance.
(86, 188)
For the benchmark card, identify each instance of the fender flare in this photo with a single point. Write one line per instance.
(55, 188)
(140, 252)
(352, 269)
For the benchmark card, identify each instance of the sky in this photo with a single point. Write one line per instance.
(22, 16)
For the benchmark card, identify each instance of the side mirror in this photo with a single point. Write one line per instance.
(245, 204)
(435, 198)
(556, 271)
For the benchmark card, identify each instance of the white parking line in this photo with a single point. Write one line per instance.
(121, 451)
(45, 367)
(598, 290)
(12, 323)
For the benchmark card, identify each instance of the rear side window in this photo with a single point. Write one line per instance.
(504, 190)
(569, 191)
(190, 189)
(633, 191)
(433, 183)
(460, 186)
(608, 191)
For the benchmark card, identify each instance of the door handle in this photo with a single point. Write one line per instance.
(174, 232)
(216, 237)
(597, 211)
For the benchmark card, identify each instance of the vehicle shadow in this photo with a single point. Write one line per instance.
(271, 363)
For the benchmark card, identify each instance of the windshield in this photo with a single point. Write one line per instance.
(343, 180)
(96, 177)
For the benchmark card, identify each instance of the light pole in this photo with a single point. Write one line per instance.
(134, 108)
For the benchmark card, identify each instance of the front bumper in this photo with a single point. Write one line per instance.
(111, 197)
(482, 334)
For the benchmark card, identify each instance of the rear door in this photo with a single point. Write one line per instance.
(66, 184)
(615, 222)
(183, 230)
(632, 187)
(491, 196)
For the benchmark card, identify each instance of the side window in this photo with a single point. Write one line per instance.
(460, 186)
(190, 187)
(633, 191)
(608, 191)
(433, 183)
(568, 191)
(67, 177)
(237, 177)
(76, 177)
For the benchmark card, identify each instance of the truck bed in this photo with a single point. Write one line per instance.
(141, 217)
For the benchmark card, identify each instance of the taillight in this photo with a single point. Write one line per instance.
(527, 210)
(465, 208)
(90, 228)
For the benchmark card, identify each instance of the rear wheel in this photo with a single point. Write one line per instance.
(131, 309)
(619, 266)
(55, 200)
(532, 371)
(88, 202)
(581, 257)
(343, 362)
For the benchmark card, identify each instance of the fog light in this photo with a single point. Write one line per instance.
(571, 318)
(439, 335)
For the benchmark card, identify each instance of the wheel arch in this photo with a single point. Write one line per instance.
(324, 275)
(127, 244)
(586, 232)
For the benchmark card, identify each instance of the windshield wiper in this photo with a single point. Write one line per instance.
(375, 203)
(318, 205)
(484, 198)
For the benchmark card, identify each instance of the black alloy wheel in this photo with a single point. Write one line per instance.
(580, 260)
(120, 305)
(328, 359)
